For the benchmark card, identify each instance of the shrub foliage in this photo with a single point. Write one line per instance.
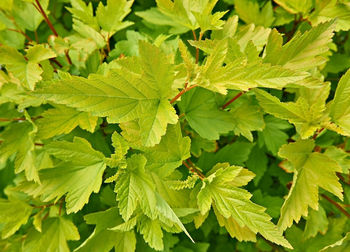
(185, 125)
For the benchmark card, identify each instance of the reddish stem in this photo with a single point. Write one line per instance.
(342, 178)
(56, 62)
(317, 133)
(21, 32)
(18, 119)
(52, 28)
(194, 170)
(233, 99)
(67, 57)
(341, 209)
(46, 18)
(181, 93)
(108, 45)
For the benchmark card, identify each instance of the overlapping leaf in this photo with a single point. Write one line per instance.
(307, 113)
(54, 236)
(77, 177)
(139, 94)
(307, 180)
(62, 120)
(303, 51)
(231, 201)
(13, 214)
(26, 69)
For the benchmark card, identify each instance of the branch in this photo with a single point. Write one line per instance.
(197, 49)
(18, 119)
(181, 93)
(36, 144)
(192, 168)
(41, 10)
(342, 178)
(317, 133)
(341, 209)
(52, 28)
(21, 32)
(233, 99)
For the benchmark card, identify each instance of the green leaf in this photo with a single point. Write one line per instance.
(239, 75)
(62, 120)
(304, 51)
(134, 186)
(103, 239)
(234, 229)
(192, 15)
(26, 15)
(13, 214)
(236, 154)
(202, 113)
(257, 163)
(334, 234)
(83, 12)
(296, 6)
(121, 147)
(28, 71)
(110, 17)
(304, 113)
(139, 93)
(307, 179)
(339, 110)
(340, 245)
(155, 17)
(247, 117)
(18, 138)
(273, 135)
(329, 10)
(6, 5)
(128, 47)
(53, 238)
(316, 222)
(250, 12)
(272, 203)
(166, 156)
(88, 32)
(152, 233)
(77, 177)
(340, 156)
(234, 202)
(199, 144)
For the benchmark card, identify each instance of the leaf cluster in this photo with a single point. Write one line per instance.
(174, 125)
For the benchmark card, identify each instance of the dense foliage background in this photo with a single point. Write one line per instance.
(193, 125)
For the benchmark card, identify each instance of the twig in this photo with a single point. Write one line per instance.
(36, 144)
(42, 206)
(195, 38)
(342, 178)
(192, 168)
(60, 208)
(56, 62)
(41, 10)
(66, 53)
(46, 215)
(52, 28)
(108, 45)
(21, 32)
(181, 93)
(340, 208)
(317, 133)
(18, 119)
(36, 36)
(233, 99)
